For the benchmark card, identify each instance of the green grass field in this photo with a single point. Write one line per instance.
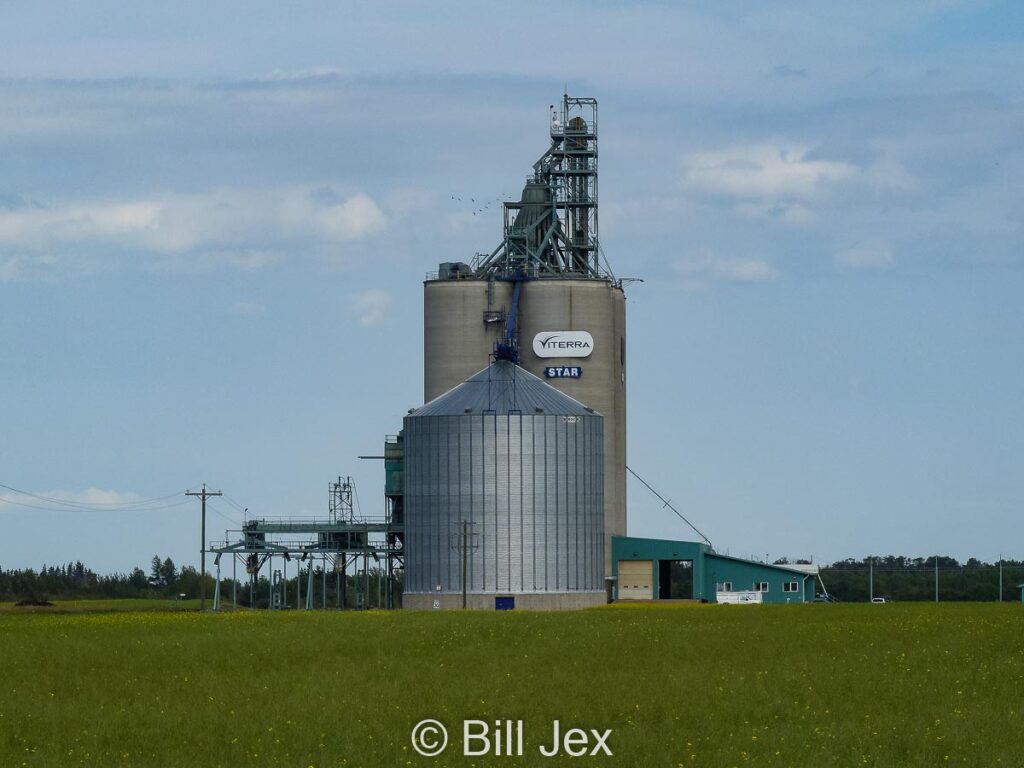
(815, 685)
(104, 606)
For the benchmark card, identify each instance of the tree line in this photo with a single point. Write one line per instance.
(164, 580)
(903, 578)
(75, 581)
(893, 576)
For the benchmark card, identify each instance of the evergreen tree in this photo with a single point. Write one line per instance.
(168, 572)
(138, 580)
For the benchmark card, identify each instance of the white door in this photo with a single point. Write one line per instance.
(636, 579)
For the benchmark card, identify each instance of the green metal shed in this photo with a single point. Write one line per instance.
(662, 569)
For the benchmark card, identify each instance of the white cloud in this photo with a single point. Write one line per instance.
(791, 213)
(248, 308)
(70, 500)
(247, 259)
(786, 70)
(887, 174)
(298, 75)
(10, 269)
(352, 219)
(462, 221)
(35, 227)
(94, 496)
(763, 171)
(729, 269)
(372, 306)
(227, 227)
(41, 266)
(867, 255)
(200, 261)
(409, 200)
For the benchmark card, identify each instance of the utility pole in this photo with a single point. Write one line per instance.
(871, 579)
(1000, 578)
(465, 558)
(936, 578)
(463, 541)
(203, 495)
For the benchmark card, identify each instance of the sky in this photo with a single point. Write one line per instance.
(215, 221)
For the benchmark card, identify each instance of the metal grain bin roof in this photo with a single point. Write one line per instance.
(501, 388)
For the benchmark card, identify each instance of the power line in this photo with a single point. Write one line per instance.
(232, 520)
(355, 492)
(667, 504)
(235, 504)
(136, 502)
(27, 505)
(113, 505)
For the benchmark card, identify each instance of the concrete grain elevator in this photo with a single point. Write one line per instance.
(544, 299)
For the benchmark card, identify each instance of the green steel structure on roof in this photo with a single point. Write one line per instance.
(553, 229)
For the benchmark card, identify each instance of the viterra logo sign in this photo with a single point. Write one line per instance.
(563, 344)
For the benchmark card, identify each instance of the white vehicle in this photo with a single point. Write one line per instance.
(739, 598)
(879, 600)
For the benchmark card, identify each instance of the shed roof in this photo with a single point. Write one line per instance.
(790, 568)
(502, 388)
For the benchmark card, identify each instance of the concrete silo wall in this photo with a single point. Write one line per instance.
(458, 342)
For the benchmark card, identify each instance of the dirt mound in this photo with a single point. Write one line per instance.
(33, 604)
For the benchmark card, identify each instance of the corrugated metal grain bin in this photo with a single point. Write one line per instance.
(521, 465)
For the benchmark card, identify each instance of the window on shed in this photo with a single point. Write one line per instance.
(760, 586)
(791, 586)
(725, 586)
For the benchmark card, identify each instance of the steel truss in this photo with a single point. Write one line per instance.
(552, 229)
(339, 543)
(340, 548)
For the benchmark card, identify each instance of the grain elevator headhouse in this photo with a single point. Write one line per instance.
(544, 299)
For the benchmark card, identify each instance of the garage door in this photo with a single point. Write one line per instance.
(635, 580)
